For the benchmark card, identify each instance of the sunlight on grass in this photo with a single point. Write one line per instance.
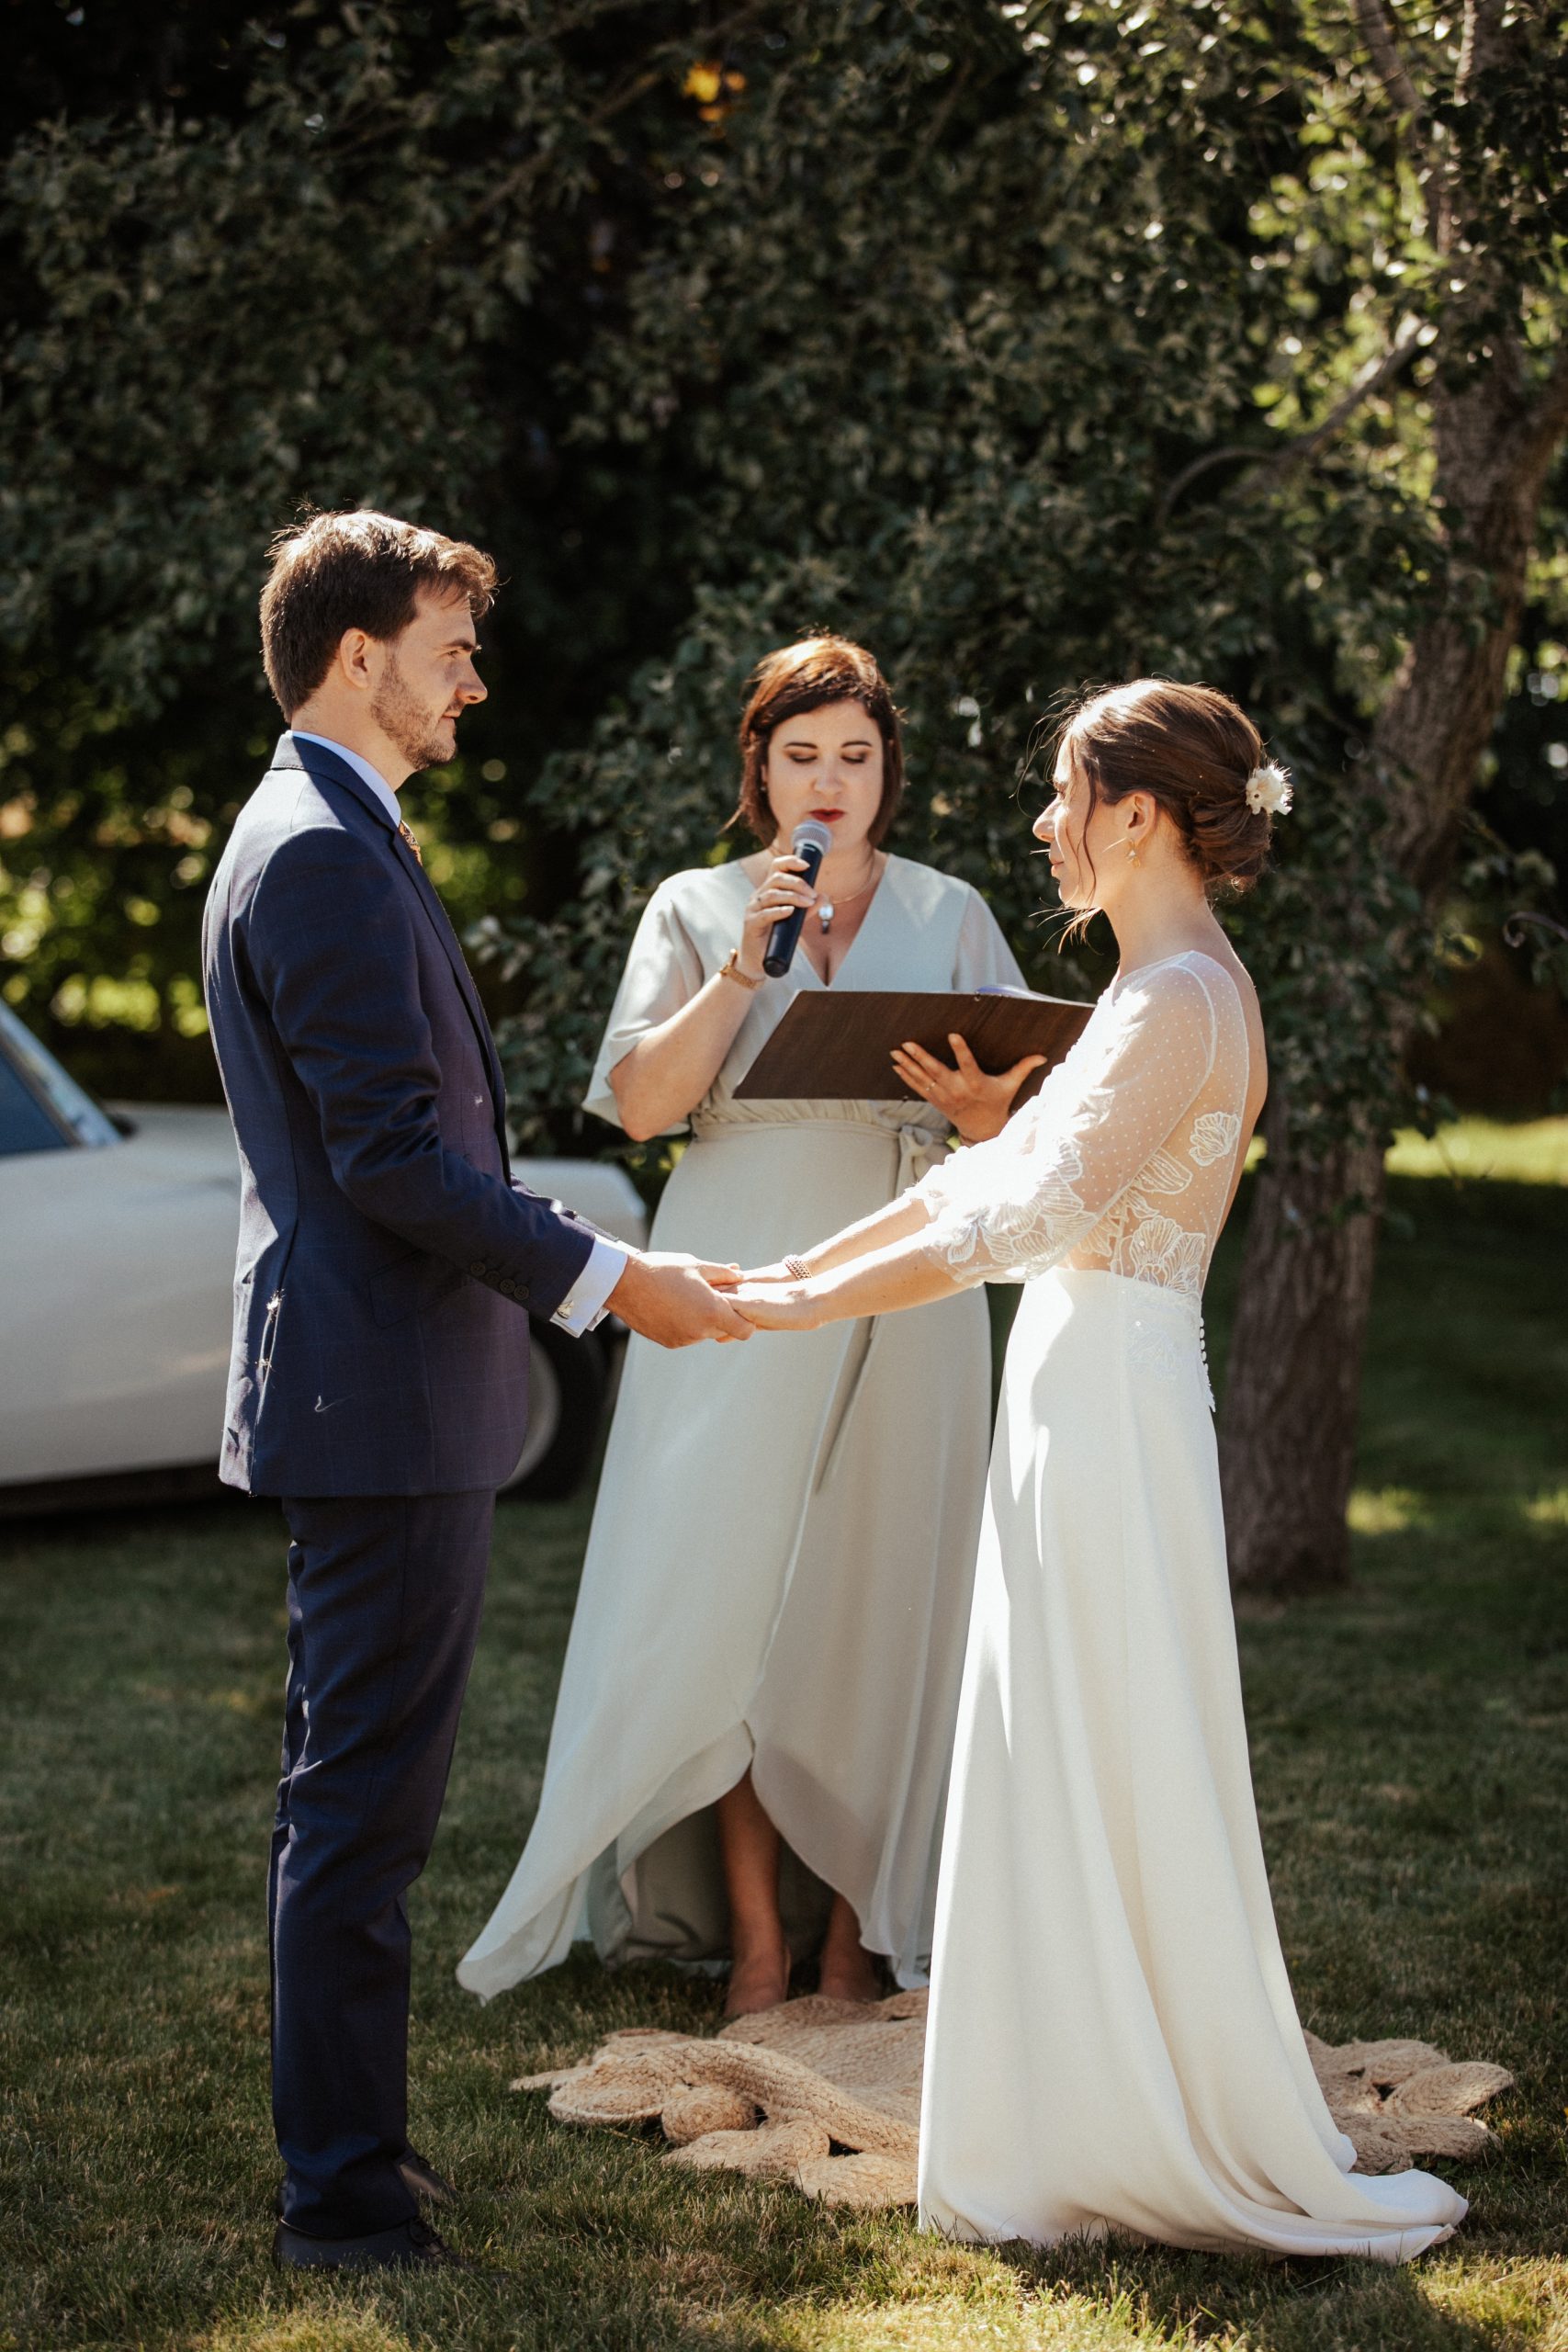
(1532, 1151)
(1518, 2302)
(1386, 1510)
(1535, 1152)
(1452, 2301)
(1548, 1510)
(324, 2331)
(1065, 2324)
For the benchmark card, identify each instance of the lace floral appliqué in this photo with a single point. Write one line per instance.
(1216, 1134)
(1161, 1251)
(1033, 1228)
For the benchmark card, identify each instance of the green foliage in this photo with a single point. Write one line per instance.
(351, 277)
(994, 335)
(936, 338)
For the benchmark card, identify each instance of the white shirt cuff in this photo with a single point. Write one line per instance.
(583, 1307)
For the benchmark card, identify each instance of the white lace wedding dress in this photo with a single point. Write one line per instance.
(1112, 2039)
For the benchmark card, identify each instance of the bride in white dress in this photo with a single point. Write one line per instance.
(1112, 2041)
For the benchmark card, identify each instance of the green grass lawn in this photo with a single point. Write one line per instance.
(1528, 1152)
(1412, 1773)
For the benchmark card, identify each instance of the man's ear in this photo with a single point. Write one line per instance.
(356, 660)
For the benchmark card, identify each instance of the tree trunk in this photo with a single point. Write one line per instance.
(1292, 1385)
(1288, 1430)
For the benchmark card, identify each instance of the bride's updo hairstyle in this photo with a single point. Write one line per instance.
(808, 676)
(1192, 751)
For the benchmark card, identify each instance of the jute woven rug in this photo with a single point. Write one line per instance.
(827, 2094)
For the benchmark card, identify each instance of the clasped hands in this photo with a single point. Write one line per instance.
(788, 1296)
(675, 1299)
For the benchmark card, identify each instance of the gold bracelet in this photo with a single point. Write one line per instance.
(730, 970)
(799, 1268)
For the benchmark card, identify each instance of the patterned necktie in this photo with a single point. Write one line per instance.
(412, 838)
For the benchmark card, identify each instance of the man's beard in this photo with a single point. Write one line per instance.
(401, 720)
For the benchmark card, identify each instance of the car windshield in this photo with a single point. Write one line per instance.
(35, 1073)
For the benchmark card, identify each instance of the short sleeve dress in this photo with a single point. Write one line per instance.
(782, 1553)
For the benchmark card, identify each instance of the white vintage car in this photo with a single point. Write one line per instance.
(116, 1262)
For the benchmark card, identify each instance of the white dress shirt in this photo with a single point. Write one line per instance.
(584, 1306)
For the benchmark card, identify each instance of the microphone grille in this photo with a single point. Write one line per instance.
(811, 834)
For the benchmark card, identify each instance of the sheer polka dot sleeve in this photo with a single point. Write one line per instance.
(1103, 1126)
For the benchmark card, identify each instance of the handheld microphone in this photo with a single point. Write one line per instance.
(810, 842)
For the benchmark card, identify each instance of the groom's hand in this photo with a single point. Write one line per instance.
(668, 1298)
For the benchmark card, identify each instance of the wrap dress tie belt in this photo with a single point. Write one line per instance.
(919, 1150)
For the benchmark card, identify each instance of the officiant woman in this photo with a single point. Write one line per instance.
(749, 1759)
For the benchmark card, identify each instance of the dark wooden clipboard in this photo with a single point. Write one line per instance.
(837, 1044)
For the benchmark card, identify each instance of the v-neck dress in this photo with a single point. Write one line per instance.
(781, 1560)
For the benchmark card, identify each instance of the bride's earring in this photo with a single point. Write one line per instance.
(1133, 852)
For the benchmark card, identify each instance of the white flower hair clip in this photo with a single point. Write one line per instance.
(1269, 790)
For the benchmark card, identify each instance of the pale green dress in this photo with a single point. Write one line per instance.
(780, 1565)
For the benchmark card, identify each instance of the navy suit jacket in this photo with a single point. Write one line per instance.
(385, 1260)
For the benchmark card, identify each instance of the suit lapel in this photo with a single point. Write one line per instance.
(441, 922)
(325, 767)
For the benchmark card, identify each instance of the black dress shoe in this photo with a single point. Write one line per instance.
(419, 2178)
(422, 2179)
(413, 2244)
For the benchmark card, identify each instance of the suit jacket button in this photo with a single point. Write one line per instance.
(520, 1290)
(477, 1266)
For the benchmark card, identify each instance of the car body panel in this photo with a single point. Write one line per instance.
(117, 1266)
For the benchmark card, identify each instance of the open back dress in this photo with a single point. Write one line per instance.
(1112, 2041)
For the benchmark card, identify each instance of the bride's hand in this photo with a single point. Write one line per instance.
(776, 1305)
(978, 1106)
(777, 1273)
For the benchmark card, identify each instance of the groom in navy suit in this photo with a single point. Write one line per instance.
(387, 1268)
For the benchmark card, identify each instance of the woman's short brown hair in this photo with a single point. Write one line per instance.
(1191, 750)
(808, 676)
(358, 569)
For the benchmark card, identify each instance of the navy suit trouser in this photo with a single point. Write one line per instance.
(385, 1594)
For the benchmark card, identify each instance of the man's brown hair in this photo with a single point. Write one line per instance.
(808, 676)
(356, 570)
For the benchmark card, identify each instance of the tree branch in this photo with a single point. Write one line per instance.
(516, 181)
(1548, 409)
(1481, 43)
(627, 94)
(950, 97)
(1378, 35)
(1273, 463)
(1368, 384)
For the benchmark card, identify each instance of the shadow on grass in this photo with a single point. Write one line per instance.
(1288, 2306)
